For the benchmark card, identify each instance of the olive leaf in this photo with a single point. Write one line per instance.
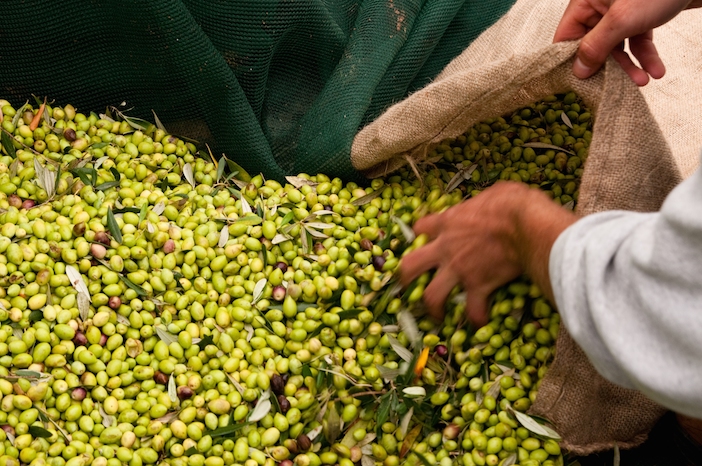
(11, 438)
(315, 234)
(8, 145)
(299, 182)
(136, 123)
(385, 404)
(19, 113)
(332, 424)
(530, 424)
(139, 290)
(363, 200)
(387, 373)
(172, 389)
(408, 324)
(245, 206)
(165, 335)
(221, 165)
(45, 178)
(407, 232)
(366, 440)
(262, 408)
(367, 461)
(106, 116)
(159, 125)
(202, 344)
(65, 434)
(239, 184)
(258, 289)
(312, 434)
(159, 208)
(404, 423)
(401, 351)
(414, 391)
(166, 418)
(423, 459)
(510, 460)
(188, 173)
(230, 429)
(236, 384)
(494, 389)
(15, 167)
(98, 163)
(113, 226)
(107, 420)
(223, 237)
(541, 145)
(123, 320)
(287, 219)
(83, 305)
(77, 281)
(87, 175)
(320, 225)
(570, 205)
(566, 120)
(462, 174)
(251, 219)
(280, 238)
(249, 331)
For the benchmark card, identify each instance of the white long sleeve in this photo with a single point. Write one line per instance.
(629, 289)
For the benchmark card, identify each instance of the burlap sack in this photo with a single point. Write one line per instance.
(629, 167)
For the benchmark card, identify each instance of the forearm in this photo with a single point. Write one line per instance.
(539, 223)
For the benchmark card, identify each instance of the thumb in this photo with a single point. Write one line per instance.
(597, 44)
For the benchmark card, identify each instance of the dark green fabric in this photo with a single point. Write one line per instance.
(282, 86)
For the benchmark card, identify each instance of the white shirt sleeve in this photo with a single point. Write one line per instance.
(629, 289)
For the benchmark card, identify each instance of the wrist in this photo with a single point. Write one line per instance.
(541, 221)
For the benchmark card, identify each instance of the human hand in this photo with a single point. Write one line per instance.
(484, 243)
(604, 25)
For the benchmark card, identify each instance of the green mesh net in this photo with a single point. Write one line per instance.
(279, 86)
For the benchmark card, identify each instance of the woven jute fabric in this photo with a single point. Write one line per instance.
(629, 166)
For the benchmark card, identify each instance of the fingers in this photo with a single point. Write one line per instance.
(577, 20)
(438, 290)
(419, 261)
(644, 50)
(476, 307)
(604, 38)
(429, 225)
(639, 76)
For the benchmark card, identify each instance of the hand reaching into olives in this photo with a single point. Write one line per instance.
(604, 25)
(485, 242)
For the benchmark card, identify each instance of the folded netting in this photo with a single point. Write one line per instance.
(279, 86)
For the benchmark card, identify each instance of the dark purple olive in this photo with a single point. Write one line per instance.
(101, 237)
(378, 262)
(160, 378)
(278, 293)
(284, 403)
(441, 351)
(114, 302)
(303, 442)
(15, 201)
(185, 392)
(277, 384)
(69, 134)
(79, 394)
(80, 339)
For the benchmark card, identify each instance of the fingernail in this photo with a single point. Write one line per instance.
(581, 70)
